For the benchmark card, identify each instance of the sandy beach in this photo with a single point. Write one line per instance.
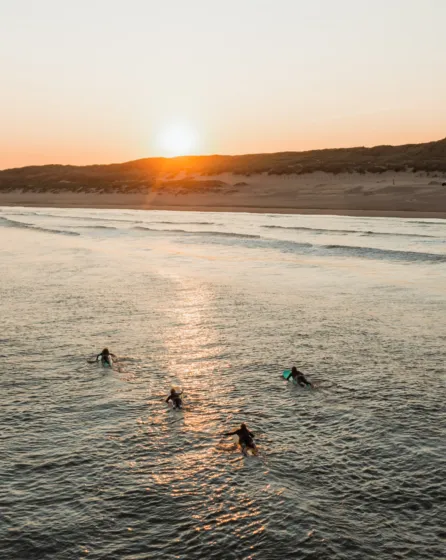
(401, 194)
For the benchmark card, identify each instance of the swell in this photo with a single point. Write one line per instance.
(200, 233)
(187, 223)
(357, 252)
(96, 227)
(80, 218)
(347, 231)
(315, 230)
(258, 241)
(6, 222)
(372, 252)
(103, 219)
(430, 223)
(388, 234)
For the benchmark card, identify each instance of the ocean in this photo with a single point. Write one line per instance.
(95, 465)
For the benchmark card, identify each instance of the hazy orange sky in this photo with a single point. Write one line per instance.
(104, 81)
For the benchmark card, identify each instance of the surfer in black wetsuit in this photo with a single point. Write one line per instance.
(245, 437)
(175, 398)
(299, 377)
(105, 356)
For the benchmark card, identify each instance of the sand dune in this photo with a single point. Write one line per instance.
(384, 180)
(388, 193)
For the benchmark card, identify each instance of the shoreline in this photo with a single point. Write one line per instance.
(399, 195)
(371, 213)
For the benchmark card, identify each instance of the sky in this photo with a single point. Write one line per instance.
(102, 81)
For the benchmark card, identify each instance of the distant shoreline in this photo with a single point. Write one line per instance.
(122, 202)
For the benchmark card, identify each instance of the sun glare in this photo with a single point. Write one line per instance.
(178, 140)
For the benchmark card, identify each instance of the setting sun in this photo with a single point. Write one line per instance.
(177, 140)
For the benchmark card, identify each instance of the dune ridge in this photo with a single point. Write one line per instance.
(386, 180)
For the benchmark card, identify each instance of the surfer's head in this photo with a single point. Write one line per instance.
(172, 391)
(243, 427)
(293, 369)
(105, 352)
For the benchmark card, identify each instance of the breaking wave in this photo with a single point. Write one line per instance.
(429, 223)
(290, 246)
(374, 253)
(80, 218)
(200, 233)
(348, 231)
(315, 230)
(187, 223)
(6, 222)
(96, 227)
(398, 234)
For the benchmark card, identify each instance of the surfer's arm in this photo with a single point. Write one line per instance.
(235, 433)
(168, 398)
(98, 356)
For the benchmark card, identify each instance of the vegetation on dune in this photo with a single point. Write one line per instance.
(162, 173)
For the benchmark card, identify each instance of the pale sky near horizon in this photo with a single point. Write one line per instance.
(104, 81)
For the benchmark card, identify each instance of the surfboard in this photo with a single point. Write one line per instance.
(287, 375)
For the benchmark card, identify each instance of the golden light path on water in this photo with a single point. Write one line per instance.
(192, 345)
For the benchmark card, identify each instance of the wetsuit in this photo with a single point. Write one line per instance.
(300, 378)
(245, 438)
(105, 357)
(176, 399)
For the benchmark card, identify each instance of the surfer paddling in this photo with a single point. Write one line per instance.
(175, 398)
(245, 438)
(299, 378)
(106, 356)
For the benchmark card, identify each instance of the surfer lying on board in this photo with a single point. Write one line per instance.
(175, 398)
(299, 377)
(105, 356)
(245, 437)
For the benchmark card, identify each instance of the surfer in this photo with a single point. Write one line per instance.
(299, 378)
(105, 356)
(245, 438)
(175, 398)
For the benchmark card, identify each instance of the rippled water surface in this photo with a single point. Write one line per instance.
(95, 465)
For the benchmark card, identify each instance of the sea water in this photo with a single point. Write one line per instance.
(94, 464)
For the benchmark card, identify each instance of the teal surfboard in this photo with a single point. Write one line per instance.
(287, 375)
